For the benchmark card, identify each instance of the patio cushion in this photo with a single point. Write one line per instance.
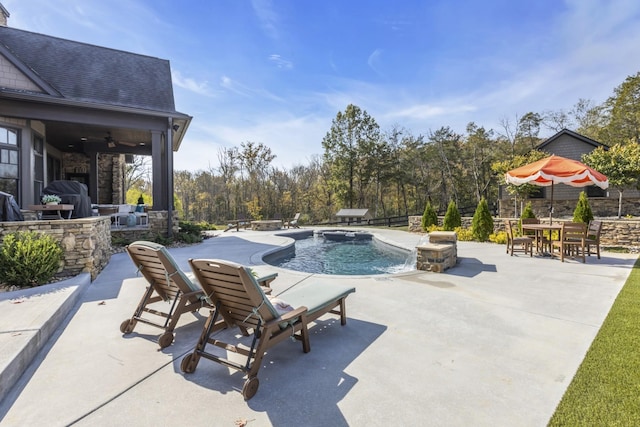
(314, 295)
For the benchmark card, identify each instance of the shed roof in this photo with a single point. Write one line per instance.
(352, 213)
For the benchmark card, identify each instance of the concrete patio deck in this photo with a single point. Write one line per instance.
(494, 341)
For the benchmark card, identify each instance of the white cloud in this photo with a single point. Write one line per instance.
(281, 62)
(190, 84)
(374, 61)
(267, 16)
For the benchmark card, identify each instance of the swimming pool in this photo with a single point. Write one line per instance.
(347, 255)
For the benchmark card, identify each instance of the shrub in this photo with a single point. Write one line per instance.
(188, 238)
(464, 234)
(190, 232)
(29, 258)
(500, 237)
(429, 217)
(583, 213)
(482, 223)
(452, 217)
(527, 212)
(433, 228)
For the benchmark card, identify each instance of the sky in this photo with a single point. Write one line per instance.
(277, 72)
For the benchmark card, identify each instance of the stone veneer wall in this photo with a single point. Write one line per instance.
(86, 242)
(601, 207)
(158, 225)
(110, 174)
(615, 232)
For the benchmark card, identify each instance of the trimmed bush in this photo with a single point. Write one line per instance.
(452, 217)
(527, 212)
(429, 217)
(482, 223)
(583, 213)
(29, 258)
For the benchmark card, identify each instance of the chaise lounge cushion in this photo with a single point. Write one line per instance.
(315, 295)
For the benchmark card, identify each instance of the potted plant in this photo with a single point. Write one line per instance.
(51, 199)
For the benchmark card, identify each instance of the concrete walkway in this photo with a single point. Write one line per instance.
(493, 341)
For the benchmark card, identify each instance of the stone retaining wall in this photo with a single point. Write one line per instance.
(600, 206)
(615, 232)
(85, 242)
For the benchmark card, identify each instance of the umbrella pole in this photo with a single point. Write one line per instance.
(551, 206)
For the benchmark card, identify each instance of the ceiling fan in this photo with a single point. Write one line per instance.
(111, 142)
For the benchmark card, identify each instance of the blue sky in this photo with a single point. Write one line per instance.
(278, 71)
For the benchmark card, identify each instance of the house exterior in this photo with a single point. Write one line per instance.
(74, 111)
(571, 145)
(353, 216)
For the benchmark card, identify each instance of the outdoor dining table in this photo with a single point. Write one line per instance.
(539, 230)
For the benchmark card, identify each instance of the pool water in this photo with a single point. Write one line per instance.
(318, 255)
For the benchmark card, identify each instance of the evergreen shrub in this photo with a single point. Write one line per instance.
(583, 212)
(452, 218)
(482, 223)
(29, 258)
(429, 217)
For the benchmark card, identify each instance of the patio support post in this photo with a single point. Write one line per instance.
(159, 202)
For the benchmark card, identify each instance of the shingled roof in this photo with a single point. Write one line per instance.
(86, 73)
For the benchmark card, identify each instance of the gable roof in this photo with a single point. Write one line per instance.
(352, 213)
(81, 72)
(575, 135)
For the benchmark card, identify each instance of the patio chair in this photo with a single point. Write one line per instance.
(293, 222)
(517, 243)
(241, 302)
(572, 240)
(593, 236)
(167, 282)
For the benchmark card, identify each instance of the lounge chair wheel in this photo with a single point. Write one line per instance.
(126, 327)
(250, 388)
(187, 366)
(165, 339)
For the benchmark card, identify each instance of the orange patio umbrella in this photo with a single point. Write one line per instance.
(554, 170)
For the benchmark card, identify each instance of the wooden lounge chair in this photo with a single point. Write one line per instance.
(593, 236)
(517, 243)
(241, 302)
(167, 282)
(572, 240)
(294, 222)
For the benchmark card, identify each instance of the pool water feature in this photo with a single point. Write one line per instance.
(344, 257)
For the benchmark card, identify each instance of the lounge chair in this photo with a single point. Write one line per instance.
(241, 302)
(167, 282)
(294, 222)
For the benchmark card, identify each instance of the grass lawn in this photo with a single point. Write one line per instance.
(606, 389)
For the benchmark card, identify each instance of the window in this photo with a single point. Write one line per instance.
(593, 191)
(9, 170)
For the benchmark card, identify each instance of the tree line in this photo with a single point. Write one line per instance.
(395, 172)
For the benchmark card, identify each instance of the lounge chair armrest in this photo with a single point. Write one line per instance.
(293, 313)
(289, 315)
(266, 280)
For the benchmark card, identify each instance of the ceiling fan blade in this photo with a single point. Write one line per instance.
(127, 143)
